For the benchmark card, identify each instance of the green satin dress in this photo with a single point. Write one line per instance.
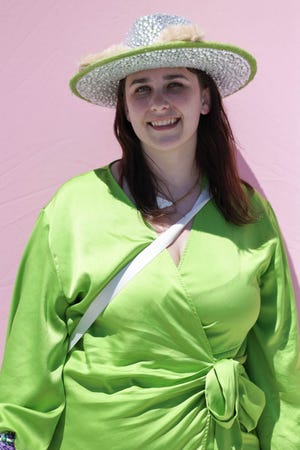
(203, 356)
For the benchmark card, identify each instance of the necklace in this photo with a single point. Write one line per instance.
(165, 203)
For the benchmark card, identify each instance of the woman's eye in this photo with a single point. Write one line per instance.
(175, 85)
(142, 90)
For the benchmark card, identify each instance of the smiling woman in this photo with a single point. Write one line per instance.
(199, 350)
(209, 147)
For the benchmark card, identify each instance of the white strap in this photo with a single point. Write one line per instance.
(133, 267)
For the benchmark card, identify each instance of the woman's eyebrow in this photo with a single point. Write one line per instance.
(139, 81)
(166, 77)
(172, 76)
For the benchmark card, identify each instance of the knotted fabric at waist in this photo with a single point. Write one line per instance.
(232, 400)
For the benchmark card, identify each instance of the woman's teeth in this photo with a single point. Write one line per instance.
(163, 123)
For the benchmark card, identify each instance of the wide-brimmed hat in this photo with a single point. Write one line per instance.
(161, 40)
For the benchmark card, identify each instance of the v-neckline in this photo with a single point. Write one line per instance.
(149, 226)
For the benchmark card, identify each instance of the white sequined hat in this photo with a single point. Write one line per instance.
(161, 40)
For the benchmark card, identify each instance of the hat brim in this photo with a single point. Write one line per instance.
(231, 67)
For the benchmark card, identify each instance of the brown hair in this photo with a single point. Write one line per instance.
(215, 157)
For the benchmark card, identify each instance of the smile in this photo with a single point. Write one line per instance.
(164, 123)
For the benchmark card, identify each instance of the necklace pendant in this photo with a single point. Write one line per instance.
(163, 203)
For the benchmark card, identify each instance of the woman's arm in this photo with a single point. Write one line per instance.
(273, 353)
(31, 386)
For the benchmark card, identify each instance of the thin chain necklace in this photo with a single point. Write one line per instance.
(165, 203)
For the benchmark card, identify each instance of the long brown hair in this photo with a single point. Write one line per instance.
(215, 157)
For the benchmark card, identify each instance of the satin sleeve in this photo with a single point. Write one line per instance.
(273, 352)
(31, 387)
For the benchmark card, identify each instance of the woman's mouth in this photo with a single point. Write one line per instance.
(164, 123)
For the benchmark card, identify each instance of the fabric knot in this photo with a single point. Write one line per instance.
(232, 399)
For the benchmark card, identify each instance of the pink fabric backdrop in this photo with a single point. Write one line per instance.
(48, 135)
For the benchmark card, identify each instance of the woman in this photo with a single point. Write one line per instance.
(199, 350)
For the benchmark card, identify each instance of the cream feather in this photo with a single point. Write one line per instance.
(181, 33)
(107, 53)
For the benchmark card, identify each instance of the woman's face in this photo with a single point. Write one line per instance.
(164, 107)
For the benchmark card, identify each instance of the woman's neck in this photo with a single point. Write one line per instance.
(175, 172)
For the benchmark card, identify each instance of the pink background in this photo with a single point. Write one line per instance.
(48, 135)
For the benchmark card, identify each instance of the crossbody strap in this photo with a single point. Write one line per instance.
(133, 267)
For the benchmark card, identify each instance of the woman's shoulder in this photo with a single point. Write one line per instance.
(94, 194)
(265, 216)
(97, 178)
(82, 189)
(255, 197)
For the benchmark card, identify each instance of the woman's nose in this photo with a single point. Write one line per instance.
(159, 102)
